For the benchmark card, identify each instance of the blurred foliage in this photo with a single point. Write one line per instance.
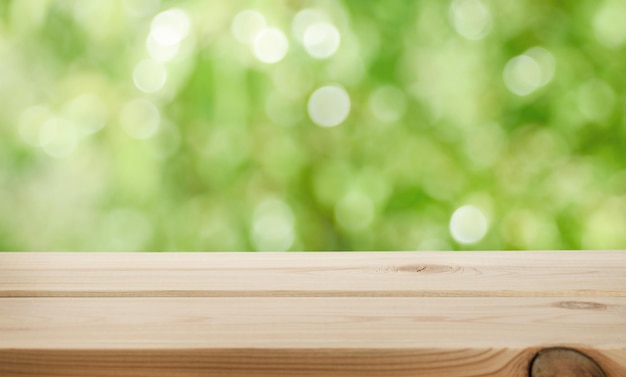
(312, 125)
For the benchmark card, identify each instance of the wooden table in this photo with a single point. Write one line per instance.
(452, 314)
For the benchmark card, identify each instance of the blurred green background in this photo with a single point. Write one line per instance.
(312, 125)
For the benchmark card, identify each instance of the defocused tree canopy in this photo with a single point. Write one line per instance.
(312, 125)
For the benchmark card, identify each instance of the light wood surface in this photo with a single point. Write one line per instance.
(399, 274)
(308, 314)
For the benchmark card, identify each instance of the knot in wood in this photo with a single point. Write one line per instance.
(580, 305)
(564, 362)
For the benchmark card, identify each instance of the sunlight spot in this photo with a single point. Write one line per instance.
(58, 137)
(329, 106)
(273, 226)
(149, 76)
(321, 40)
(468, 224)
(303, 20)
(522, 75)
(546, 62)
(603, 225)
(609, 24)
(170, 27)
(247, 25)
(160, 52)
(471, 18)
(270, 46)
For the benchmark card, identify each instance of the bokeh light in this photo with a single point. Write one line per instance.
(247, 25)
(58, 137)
(471, 18)
(149, 76)
(154, 125)
(329, 106)
(270, 45)
(304, 19)
(468, 224)
(522, 75)
(321, 40)
(170, 27)
(273, 226)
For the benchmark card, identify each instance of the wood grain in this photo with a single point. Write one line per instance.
(299, 322)
(400, 274)
(364, 362)
(308, 314)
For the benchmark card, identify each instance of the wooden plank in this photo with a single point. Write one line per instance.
(408, 274)
(480, 314)
(283, 363)
(300, 336)
(267, 363)
(309, 322)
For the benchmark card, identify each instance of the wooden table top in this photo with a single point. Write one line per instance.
(432, 314)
